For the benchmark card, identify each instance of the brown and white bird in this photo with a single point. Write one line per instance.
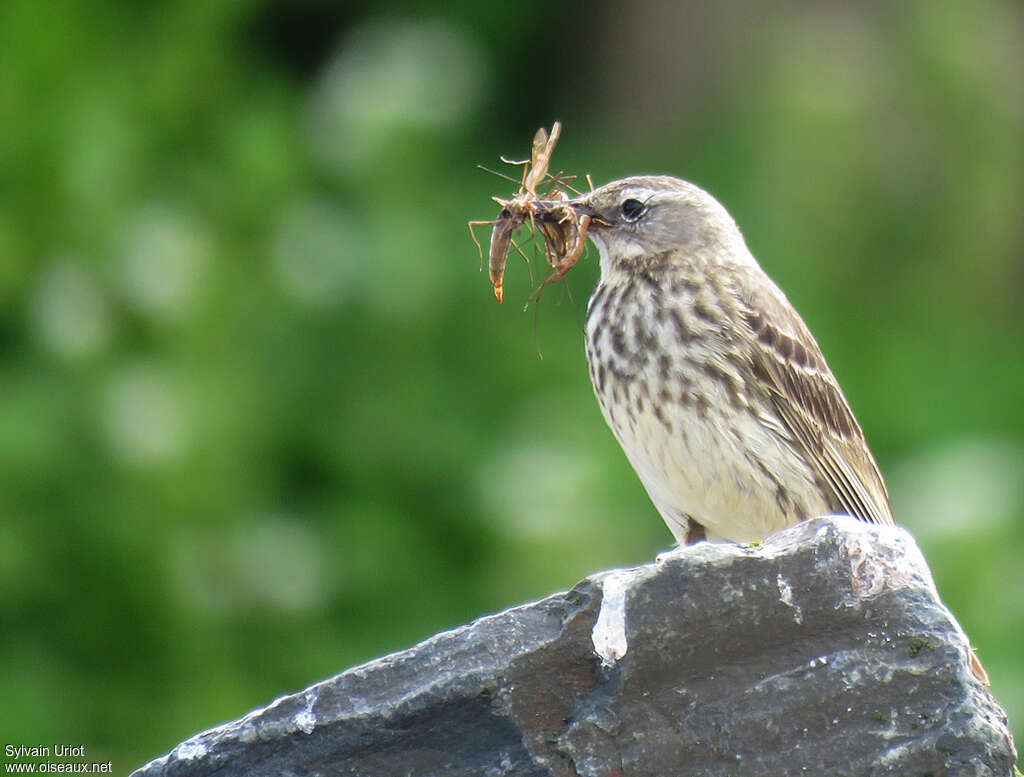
(709, 379)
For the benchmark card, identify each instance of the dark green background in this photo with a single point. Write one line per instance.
(261, 418)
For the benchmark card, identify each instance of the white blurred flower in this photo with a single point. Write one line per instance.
(163, 260)
(273, 562)
(390, 75)
(69, 311)
(537, 489)
(144, 417)
(318, 252)
(282, 564)
(960, 489)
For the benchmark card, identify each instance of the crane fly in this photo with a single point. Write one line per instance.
(563, 229)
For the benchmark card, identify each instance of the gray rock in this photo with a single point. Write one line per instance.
(824, 651)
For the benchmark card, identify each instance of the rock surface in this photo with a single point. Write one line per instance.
(824, 651)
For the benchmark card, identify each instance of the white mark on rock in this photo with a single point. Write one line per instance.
(189, 749)
(786, 596)
(609, 634)
(306, 718)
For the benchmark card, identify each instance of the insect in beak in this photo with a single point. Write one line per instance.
(562, 225)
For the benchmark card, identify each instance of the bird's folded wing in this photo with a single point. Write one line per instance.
(786, 360)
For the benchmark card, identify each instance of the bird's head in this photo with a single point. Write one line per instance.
(643, 217)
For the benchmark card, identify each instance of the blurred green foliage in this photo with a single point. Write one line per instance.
(261, 418)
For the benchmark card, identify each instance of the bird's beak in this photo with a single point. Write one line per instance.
(554, 210)
(582, 207)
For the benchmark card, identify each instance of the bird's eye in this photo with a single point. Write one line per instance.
(632, 209)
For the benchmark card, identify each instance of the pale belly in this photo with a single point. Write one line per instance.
(701, 448)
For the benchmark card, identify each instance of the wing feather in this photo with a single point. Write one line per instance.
(787, 361)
